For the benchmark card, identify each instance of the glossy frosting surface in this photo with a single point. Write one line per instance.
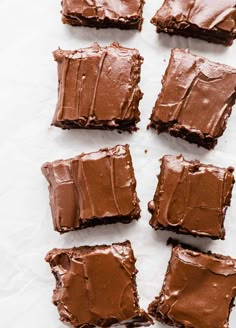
(206, 14)
(198, 289)
(191, 197)
(94, 185)
(98, 86)
(197, 94)
(101, 9)
(96, 286)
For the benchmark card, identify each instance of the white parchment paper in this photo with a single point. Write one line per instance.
(30, 31)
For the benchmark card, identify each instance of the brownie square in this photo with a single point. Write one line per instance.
(96, 286)
(98, 88)
(92, 189)
(198, 290)
(191, 198)
(196, 99)
(210, 20)
(123, 14)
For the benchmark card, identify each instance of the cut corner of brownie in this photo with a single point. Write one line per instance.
(157, 315)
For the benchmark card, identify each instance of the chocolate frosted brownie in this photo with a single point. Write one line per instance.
(196, 99)
(198, 291)
(191, 197)
(123, 14)
(92, 189)
(98, 88)
(210, 20)
(96, 286)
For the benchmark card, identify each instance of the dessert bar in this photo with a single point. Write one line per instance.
(191, 197)
(96, 286)
(210, 20)
(198, 291)
(196, 99)
(98, 88)
(92, 189)
(123, 14)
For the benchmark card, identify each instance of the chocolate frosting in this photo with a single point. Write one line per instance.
(191, 197)
(197, 95)
(198, 290)
(206, 14)
(93, 188)
(95, 286)
(118, 11)
(98, 87)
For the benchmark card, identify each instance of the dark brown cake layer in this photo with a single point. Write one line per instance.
(191, 197)
(98, 88)
(210, 20)
(198, 290)
(123, 14)
(91, 189)
(196, 99)
(96, 286)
